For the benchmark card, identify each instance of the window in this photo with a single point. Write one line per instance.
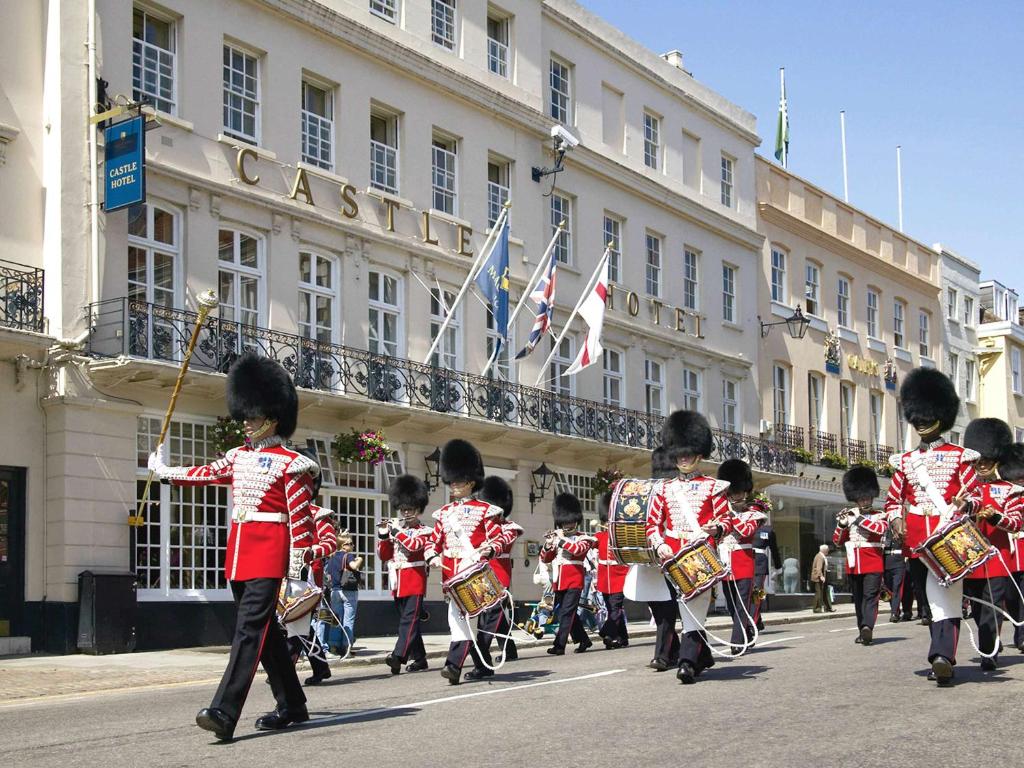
(385, 307)
(1018, 434)
(384, 152)
(815, 401)
(241, 95)
(875, 404)
(652, 141)
(846, 409)
(872, 314)
(968, 311)
(613, 241)
(1015, 379)
(691, 288)
(780, 394)
(727, 180)
(497, 189)
(968, 385)
(497, 45)
(953, 304)
(240, 278)
(730, 406)
(812, 288)
(653, 387)
(954, 368)
(317, 126)
(153, 259)
(779, 292)
(613, 378)
(502, 366)
(442, 23)
(447, 353)
(581, 486)
(899, 310)
(153, 62)
(561, 384)
(924, 348)
(843, 302)
(386, 9)
(901, 427)
(318, 285)
(691, 390)
(728, 293)
(653, 282)
(442, 160)
(560, 92)
(561, 210)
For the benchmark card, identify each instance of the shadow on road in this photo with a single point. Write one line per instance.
(736, 672)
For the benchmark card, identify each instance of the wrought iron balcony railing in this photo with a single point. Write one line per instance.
(138, 329)
(854, 450)
(21, 297)
(789, 436)
(820, 443)
(882, 454)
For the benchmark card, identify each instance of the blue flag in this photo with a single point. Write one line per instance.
(493, 284)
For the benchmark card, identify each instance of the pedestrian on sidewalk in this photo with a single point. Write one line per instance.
(819, 577)
(344, 570)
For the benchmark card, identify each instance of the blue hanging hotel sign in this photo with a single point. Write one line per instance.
(124, 167)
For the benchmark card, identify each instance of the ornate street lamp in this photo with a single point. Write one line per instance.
(540, 481)
(796, 323)
(433, 476)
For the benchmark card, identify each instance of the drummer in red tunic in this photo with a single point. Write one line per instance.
(691, 507)
(998, 517)
(271, 492)
(611, 579)
(1011, 470)
(860, 530)
(932, 485)
(566, 548)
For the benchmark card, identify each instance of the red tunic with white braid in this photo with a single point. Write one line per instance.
(568, 555)
(739, 542)
(325, 541)
(862, 539)
(502, 560)
(1008, 500)
(455, 523)
(951, 471)
(271, 491)
(403, 556)
(611, 577)
(668, 521)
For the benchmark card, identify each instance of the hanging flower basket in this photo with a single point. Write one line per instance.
(367, 447)
(227, 433)
(605, 478)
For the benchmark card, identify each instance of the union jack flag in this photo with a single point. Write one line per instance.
(544, 297)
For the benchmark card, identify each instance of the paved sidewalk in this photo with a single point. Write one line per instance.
(25, 678)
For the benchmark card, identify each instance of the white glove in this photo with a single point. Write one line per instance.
(664, 552)
(158, 459)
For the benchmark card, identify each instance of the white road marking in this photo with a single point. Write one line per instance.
(779, 640)
(845, 629)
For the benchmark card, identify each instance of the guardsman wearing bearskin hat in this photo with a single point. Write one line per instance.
(998, 517)
(1011, 470)
(860, 530)
(611, 580)
(664, 612)
(931, 485)
(687, 508)
(466, 531)
(566, 548)
(401, 543)
(270, 537)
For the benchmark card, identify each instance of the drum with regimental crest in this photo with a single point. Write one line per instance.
(627, 521)
(954, 550)
(474, 589)
(694, 569)
(296, 599)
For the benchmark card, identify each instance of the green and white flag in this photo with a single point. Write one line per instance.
(782, 129)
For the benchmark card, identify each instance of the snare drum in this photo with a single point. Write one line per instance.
(627, 521)
(296, 599)
(954, 550)
(694, 569)
(474, 589)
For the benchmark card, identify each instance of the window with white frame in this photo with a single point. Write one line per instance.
(317, 125)
(318, 290)
(901, 427)
(812, 288)
(654, 387)
(875, 407)
(386, 9)
(443, 174)
(779, 291)
(780, 394)
(560, 384)
(154, 252)
(968, 311)
(180, 548)
(240, 277)
(560, 91)
(923, 334)
(815, 401)
(1018, 434)
(691, 281)
(447, 353)
(613, 378)
(728, 293)
(843, 302)
(385, 309)
(384, 152)
(579, 485)
(899, 311)
(241, 95)
(653, 276)
(728, 166)
(497, 44)
(1015, 379)
(692, 389)
(498, 189)
(561, 211)
(154, 68)
(846, 409)
(613, 242)
(730, 405)
(968, 385)
(442, 23)
(652, 141)
(872, 313)
(502, 367)
(952, 304)
(954, 367)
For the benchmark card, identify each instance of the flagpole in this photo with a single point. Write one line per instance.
(473, 271)
(529, 288)
(842, 131)
(565, 329)
(899, 186)
(785, 118)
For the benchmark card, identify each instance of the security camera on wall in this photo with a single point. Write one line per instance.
(565, 141)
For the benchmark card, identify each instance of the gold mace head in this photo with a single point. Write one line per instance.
(207, 300)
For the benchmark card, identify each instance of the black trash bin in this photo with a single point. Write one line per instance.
(107, 610)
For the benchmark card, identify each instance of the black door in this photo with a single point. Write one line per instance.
(12, 549)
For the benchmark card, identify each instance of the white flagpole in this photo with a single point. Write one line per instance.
(529, 289)
(785, 117)
(899, 185)
(842, 130)
(473, 271)
(565, 329)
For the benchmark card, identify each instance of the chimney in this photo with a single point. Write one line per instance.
(675, 58)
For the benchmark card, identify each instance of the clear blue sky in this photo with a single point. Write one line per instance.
(944, 79)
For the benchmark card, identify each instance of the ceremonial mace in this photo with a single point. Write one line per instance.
(206, 301)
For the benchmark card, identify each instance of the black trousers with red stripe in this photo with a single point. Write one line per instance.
(257, 640)
(738, 594)
(567, 602)
(993, 591)
(917, 572)
(614, 627)
(492, 625)
(666, 641)
(865, 588)
(409, 645)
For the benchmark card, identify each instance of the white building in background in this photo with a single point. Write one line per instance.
(961, 305)
(330, 169)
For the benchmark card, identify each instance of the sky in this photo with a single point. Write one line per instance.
(943, 79)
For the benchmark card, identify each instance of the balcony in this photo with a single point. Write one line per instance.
(853, 451)
(882, 454)
(21, 297)
(820, 443)
(124, 327)
(788, 436)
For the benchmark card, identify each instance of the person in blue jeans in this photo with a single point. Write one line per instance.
(344, 569)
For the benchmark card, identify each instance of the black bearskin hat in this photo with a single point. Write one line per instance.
(603, 505)
(259, 387)
(860, 483)
(662, 467)
(318, 481)
(990, 437)
(686, 432)
(1011, 464)
(737, 473)
(496, 491)
(461, 462)
(408, 492)
(567, 510)
(928, 396)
